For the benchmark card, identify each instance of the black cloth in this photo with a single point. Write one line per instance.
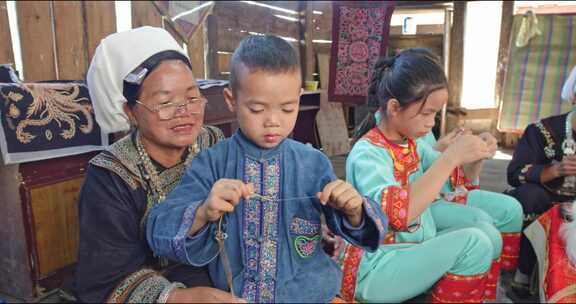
(539, 147)
(112, 245)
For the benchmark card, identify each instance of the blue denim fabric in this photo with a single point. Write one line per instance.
(276, 257)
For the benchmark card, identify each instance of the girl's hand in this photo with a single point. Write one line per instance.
(490, 141)
(467, 149)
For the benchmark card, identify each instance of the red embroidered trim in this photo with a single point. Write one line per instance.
(395, 201)
(454, 288)
(350, 272)
(510, 249)
(406, 160)
(492, 281)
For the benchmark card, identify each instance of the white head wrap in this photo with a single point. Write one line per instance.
(569, 88)
(116, 56)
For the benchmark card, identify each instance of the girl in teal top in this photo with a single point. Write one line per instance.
(451, 247)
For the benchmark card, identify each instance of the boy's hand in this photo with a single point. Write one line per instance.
(342, 196)
(224, 197)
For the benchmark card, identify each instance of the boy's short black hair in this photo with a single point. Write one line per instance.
(262, 53)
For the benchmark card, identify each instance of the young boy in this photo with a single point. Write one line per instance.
(270, 190)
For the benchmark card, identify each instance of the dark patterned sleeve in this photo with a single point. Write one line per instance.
(530, 156)
(112, 254)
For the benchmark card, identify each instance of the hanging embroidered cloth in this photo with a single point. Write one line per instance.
(47, 120)
(359, 37)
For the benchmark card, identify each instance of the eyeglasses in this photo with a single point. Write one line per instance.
(167, 111)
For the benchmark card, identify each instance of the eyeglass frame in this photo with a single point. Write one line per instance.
(156, 109)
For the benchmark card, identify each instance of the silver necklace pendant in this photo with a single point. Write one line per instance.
(569, 149)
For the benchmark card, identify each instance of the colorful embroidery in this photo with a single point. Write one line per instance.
(454, 288)
(394, 202)
(350, 271)
(261, 251)
(406, 160)
(301, 226)
(510, 249)
(306, 246)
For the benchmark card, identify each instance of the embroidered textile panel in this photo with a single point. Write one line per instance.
(359, 37)
(47, 120)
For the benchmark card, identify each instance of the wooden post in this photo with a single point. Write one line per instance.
(505, 35)
(36, 40)
(307, 54)
(6, 53)
(455, 70)
(446, 52)
(196, 52)
(212, 58)
(100, 22)
(71, 45)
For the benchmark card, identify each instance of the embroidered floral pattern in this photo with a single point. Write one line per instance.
(359, 44)
(301, 226)
(261, 250)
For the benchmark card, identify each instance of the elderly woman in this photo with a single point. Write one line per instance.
(139, 78)
(543, 173)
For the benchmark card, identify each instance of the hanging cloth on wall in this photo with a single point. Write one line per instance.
(359, 36)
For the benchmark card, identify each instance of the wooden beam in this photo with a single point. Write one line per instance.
(100, 22)
(6, 52)
(71, 44)
(457, 53)
(212, 59)
(307, 55)
(504, 48)
(145, 13)
(196, 52)
(37, 40)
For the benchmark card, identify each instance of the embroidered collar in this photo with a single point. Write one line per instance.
(404, 157)
(254, 151)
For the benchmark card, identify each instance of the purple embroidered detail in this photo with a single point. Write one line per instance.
(301, 226)
(180, 238)
(260, 230)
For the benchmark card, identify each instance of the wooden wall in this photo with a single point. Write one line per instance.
(228, 25)
(58, 38)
